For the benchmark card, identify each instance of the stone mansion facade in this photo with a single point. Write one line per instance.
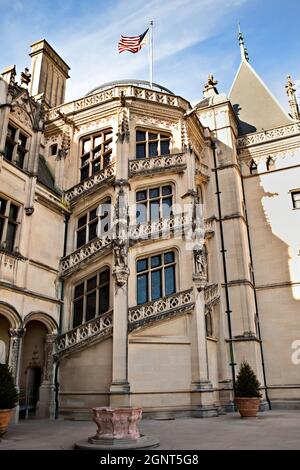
(147, 246)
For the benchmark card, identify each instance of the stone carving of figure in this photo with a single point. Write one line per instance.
(120, 253)
(2, 352)
(200, 261)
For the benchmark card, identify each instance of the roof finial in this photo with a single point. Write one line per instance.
(210, 88)
(291, 92)
(244, 51)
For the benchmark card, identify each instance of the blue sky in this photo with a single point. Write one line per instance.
(192, 38)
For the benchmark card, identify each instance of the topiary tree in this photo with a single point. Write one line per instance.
(247, 385)
(8, 393)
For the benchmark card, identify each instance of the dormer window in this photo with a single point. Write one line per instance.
(15, 146)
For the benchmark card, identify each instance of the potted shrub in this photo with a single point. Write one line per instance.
(247, 393)
(8, 397)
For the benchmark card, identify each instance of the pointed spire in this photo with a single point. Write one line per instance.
(291, 92)
(244, 51)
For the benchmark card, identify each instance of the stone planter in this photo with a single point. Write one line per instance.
(117, 423)
(248, 407)
(5, 416)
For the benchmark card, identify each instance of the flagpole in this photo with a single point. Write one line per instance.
(151, 54)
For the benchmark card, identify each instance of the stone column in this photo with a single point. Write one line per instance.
(46, 403)
(120, 388)
(202, 392)
(14, 359)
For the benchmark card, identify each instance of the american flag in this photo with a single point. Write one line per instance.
(131, 43)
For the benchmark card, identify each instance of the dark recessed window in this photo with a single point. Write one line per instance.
(209, 324)
(53, 150)
(296, 199)
(96, 153)
(97, 220)
(270, 164)
(154, 203)
(155, 277)
(15, 146)
(151, 144)
(9, 213)
(91, 298)
(253, 168)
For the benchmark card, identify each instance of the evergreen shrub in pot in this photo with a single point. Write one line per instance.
(247, 392)
(8, 397)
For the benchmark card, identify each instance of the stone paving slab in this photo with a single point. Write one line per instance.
(271, 430)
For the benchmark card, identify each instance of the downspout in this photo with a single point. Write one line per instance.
(223, 251)
(256, 303)
(61, 315)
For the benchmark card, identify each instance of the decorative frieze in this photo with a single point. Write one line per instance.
(175, 161)
(161, 308)
(269, 135)
(90, 331)
(93, 182)
(91, 249)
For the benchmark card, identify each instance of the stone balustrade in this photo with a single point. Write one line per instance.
(161, 308)
(203, 171)
(93, 182)
(176, 161)
(269, 135)
(86, 333)
(91, 249)
(162, 228)
(211, 294)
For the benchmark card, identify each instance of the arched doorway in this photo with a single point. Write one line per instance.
(4, 339)
(32, 365)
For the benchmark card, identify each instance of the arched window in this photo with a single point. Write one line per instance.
(91, 297)
(209, 323)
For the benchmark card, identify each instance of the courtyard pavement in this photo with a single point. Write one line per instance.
(271, 430)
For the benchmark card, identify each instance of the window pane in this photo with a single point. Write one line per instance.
(166, 190)
(93, 230)
(156, 287)
(20, 157)
(141, 213)
(140, 135)
(96, 167)
(22, 140)
(13, 212)
(11, 132)
(86, 146)
(152, 136)
(78, 313)
(85, 159)
(169, 280)
(153, 146)
(1, 227)
(154, 210)
(104, 276)
(154, 192)
(97, 141)
(104, 299)
(93, 214)
(166, 207)
(165, 147)
(142, 265)
(90, 306)
(84, 173)
(106, 160)
(142, 288)
(81, 237)
(79, 290)
(8, 151)
(155, 261)
(141, 151)
(2, 206)
(82, 221)
(169, 257)
(141, 195)
(91, 283)
(10, 236)
(108, 135)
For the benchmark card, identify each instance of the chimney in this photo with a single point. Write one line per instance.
(48, 74)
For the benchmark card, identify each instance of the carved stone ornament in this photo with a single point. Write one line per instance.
(200, 266)
(121, 275)
(123, 124)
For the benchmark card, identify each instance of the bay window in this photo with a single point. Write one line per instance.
(154, 203)
(93, 223)
(152, 143)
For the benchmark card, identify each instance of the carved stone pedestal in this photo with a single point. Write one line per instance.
(118, 428)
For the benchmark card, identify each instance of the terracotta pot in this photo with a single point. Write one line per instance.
(5, 416)
(248, 407)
